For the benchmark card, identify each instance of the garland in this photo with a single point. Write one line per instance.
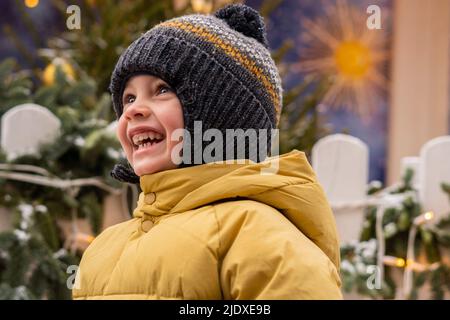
(358, 258)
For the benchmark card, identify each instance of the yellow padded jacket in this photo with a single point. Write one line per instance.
(220, 231)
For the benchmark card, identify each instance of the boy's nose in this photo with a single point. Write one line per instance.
(137, 110)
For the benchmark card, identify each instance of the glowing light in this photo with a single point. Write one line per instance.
(352, 59)
(429, 215)
(49, 73)
(86, 238)
(340, 47)
(31, 3)
(400, 262)
(424, 218)
(394, 261)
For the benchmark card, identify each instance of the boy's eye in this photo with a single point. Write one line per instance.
(129, 98)
(163, 88)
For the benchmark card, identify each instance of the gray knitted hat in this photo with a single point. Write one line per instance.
(219, 66)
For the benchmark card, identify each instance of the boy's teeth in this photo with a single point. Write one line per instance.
(140, 137)
(145, 145)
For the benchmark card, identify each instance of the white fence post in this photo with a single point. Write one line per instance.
(435, 169)
(341, 163)
(25, 127)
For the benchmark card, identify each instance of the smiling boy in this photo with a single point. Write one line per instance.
(209, 230)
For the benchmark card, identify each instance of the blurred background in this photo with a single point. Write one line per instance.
(366, 97)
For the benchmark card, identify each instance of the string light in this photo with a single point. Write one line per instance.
(424, 218)
(411, 265)
(394, 261)
(83, 237)
(415, 266)
(408, 264)
(31, 3)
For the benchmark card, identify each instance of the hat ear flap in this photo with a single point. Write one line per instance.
(124, 173)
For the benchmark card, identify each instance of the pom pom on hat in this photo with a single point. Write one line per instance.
(245, 20)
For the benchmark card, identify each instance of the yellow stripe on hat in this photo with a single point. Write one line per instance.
(233, 53)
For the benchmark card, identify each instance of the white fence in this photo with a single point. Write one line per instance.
(341, 163)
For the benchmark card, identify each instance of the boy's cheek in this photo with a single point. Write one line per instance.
(127, 149)
(122, 137)
(121, 133)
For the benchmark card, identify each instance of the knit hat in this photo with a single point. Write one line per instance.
(219, 67)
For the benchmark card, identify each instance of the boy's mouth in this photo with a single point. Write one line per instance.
(146, 139)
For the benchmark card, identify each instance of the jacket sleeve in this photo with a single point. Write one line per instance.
(264, 256)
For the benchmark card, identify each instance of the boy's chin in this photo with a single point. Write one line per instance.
(150, 166)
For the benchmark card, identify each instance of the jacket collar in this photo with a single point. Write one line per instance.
(172, 187)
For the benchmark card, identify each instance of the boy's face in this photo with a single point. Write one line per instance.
(151, 112)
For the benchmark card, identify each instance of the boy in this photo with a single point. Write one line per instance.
(205, 228)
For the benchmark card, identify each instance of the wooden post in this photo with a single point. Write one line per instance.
(419, 107)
